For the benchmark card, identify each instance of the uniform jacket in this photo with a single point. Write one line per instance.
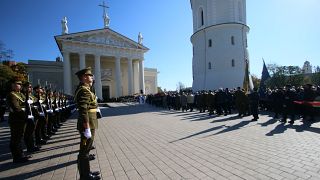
(16, 103)
(86, 102)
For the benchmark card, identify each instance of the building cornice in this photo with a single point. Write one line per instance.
(217, 25)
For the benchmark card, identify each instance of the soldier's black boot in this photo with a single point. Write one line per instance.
(84, 169)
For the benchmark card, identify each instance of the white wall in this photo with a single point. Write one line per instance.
(221, 23)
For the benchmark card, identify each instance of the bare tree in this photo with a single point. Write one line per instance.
(180, 86)
(5, 54)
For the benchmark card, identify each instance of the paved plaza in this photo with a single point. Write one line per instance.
(143, 142)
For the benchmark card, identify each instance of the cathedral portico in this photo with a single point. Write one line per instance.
(116, 61)
(115, 68)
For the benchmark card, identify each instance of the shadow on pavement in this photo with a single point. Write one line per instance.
(202, 132)
(306, 126)
(198, 117)
(127, 110)
(66, 133)
(269, 122)
(226, 119)
(233, 128)
(10, 165)
(29, 175)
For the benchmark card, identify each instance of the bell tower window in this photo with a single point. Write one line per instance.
(200, 18)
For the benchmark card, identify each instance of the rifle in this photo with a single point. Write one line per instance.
(28, 103)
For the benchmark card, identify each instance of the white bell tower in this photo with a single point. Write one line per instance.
(219, 43)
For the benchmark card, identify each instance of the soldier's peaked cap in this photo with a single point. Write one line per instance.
(37, 87)
(86, 71)
(16, 80)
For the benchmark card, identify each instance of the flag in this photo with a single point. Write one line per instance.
(264, 77)
(247, 81)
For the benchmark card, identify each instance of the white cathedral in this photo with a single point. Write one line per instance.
(219, 44)
(116, 60)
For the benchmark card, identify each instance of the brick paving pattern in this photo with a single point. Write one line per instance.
(144, 142)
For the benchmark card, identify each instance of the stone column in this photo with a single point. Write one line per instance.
(82, 59)
(141, 76)
(67, 84)
(135, 77)
(97, 76)
(118, 78)
(130, 77)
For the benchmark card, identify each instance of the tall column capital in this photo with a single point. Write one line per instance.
(65, 52)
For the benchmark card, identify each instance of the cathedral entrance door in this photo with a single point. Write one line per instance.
(106, 93)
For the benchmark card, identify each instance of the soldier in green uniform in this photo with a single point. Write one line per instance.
(87, 121)
(31, 111)
(40, 133)
(17, 121)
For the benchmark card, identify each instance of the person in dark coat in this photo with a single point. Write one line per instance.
(277, 101)
(254, 104)
(309, 94)
(288, 104)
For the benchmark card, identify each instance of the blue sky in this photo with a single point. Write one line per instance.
(285, 32)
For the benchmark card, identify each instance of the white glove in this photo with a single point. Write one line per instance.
(87, 133)
(30, 117)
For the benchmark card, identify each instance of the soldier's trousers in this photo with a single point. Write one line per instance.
(16, 131)
(254, 110)
(2, 112)
(29, 134)
(39, 130)
(50, 123)
(83, 157)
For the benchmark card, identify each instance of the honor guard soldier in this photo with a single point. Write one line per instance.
(31, 111)
(87, 121)
(17, 121)
(40, 131)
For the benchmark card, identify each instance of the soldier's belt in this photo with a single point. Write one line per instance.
(92, 110)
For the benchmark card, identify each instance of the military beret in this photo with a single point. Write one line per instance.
(86, 71)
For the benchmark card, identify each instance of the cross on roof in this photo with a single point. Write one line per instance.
(104, 6)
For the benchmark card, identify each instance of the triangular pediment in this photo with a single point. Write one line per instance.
(105, 37)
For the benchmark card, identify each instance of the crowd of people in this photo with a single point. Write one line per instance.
(35, 115)
(285, 102)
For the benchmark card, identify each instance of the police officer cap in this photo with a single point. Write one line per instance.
(86, 71)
